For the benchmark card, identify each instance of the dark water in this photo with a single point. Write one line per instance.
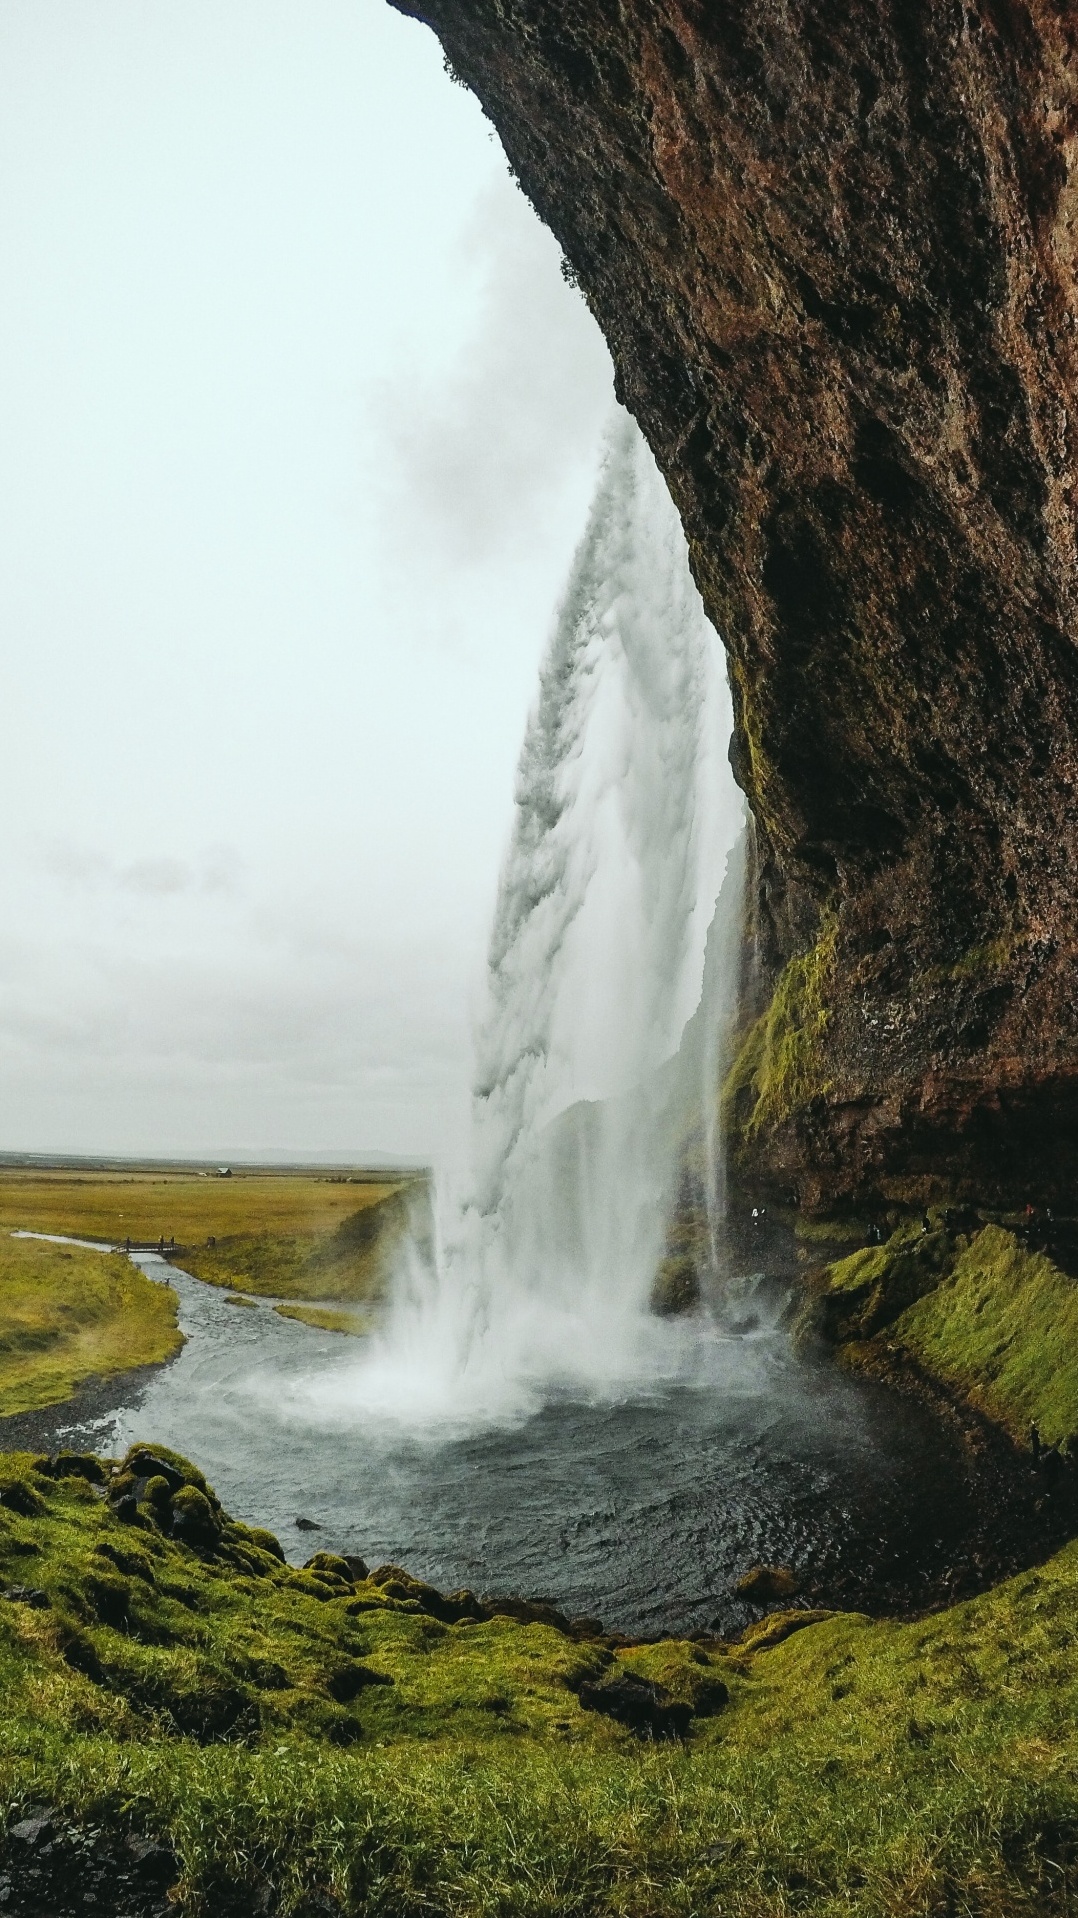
(643, 1512)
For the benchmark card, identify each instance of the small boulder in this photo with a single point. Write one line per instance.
(330, 1566)
(194, 1521)
(307, 1525)
(158, 1496)
(34, 1830)
(142, 1463)
(266, 1541)
(766, 1584)
(77, 1465)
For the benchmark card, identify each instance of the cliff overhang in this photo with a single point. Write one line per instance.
(832, 248)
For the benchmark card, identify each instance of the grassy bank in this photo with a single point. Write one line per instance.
(993, 1322)
(311, 1732)
(278, 1235)
(67, 1315)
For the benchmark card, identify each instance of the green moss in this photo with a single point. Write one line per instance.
(987, 959)
(68, 1314)
(997, 1324)
(1003, 1327)
(244, 1713)
(780, 1067)
(856, 1297)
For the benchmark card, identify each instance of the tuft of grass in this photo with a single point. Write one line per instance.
(209, 1694)
(327, 1318)
(68, 1314)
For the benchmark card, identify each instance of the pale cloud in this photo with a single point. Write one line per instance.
(219, 869)
(473, 454)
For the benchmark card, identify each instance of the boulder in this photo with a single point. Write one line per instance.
(765, 1584)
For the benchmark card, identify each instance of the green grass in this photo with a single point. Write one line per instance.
(1003, 1326)
(67, 1315)
(276, 1235)
(327, 1318)
(859, 1768)
(995, 1323)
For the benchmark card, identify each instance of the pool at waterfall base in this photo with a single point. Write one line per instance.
(642, 1507)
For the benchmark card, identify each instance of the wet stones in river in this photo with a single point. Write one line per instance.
(307, 1525)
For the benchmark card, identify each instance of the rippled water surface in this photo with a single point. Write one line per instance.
(643, 1512)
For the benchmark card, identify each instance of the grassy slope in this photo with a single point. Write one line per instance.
(1003, 1326)
(289, 1235)
(860, 1768)
(996, 1323)
(67, 1315)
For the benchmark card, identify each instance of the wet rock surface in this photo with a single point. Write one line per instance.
(832, 249)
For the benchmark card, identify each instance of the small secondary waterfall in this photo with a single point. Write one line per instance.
(625, 816)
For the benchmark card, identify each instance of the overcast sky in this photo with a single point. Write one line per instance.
(298, 427)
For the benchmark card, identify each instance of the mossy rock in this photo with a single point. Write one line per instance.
(676, 1289)
(194, 1521)
(859, 1296)
(767, 1584)
(331, 1566)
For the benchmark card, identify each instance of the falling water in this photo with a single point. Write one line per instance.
(625, 814)
(523, 1422)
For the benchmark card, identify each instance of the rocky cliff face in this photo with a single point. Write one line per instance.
(832, 246)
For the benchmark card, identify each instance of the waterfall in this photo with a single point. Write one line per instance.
(625, 814)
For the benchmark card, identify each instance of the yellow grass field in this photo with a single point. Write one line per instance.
(67, 1315)
(308, 1236)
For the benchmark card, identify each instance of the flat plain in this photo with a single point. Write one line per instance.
(316, 1236)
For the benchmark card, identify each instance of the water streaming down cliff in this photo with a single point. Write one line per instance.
(624, 818)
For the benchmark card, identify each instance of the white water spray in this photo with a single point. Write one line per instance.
(625, 815)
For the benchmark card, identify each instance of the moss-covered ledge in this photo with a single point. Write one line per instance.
(993, 1322)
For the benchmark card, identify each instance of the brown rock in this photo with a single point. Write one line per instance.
(832, 248)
